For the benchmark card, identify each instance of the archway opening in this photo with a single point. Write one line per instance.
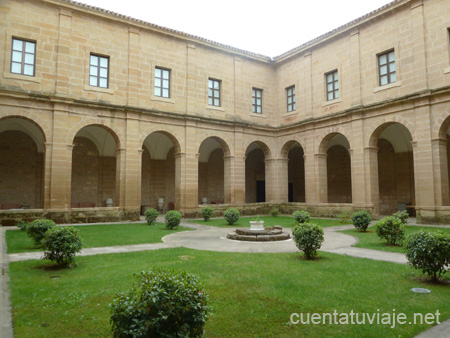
(296, 173)
(94, 168)
(211, 171)
(22, 163)
(158, 172)
(255, 173)
(395, 169)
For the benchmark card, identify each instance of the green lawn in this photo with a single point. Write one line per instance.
(370, 240)
(252, 295)
(99, 235)
(284, 221)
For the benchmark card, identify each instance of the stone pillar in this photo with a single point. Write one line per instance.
(372, 184)
(307, 86)
(228, 180)
(134, 73)
(191, 79)
(441, 182)
(133, 164)
(321, 178)
(355, 68)
(64, 69)
(283, 180)
(239, 167)
(357, 160)
(419, 73)
(311, 173)
(120, 177)
(180, 179)
(191, 167)
(271, 180)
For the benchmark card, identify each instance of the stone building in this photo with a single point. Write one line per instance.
(102, 115)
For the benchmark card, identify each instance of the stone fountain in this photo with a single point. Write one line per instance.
(259, 233)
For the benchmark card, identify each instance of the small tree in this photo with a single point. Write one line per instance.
(308, 237)
(207, 213)
(274, 212)
(301, 216)
(361, 220)
(37, 229)
(161, 304)
(151, 215)
(402, 216)
(429, 252)
(391, 229)
(61, 245)
(173, 219)
(231, 215)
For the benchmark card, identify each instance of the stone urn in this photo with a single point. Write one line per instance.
(256, 225)
(160, 203)
(109, 202)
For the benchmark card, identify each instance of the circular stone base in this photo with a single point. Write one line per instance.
(267, 235)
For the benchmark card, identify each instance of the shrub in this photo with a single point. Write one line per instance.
(361, 220)
(231, 215)
(344, 217)
(61, 244)
(274, 212)
(390, 229)
(429, 252)
(161, 304)
(22, 225)
(301, 216)
(308, 237)
(173, 219)
(37, 229)
(207, 213)
(151, 215)
(402, 215)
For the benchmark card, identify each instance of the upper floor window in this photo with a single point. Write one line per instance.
(23, 57)
(386, 68)
(257, 101)
(162, 82)
(98, 71)
(291, 102)
(214, 92)
(332, 85)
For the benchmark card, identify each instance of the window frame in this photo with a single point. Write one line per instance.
(99, 67)
(161, 87)
(290, 94)
(257, 101)
(388, 65)
(212, 90)
(23, 56)
(335, 91)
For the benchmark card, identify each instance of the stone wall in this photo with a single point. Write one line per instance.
(339, 175)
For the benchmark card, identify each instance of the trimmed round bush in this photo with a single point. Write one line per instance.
(36, 230)
(151, 215)
(301, 216)
(361, 220)
(62, 244)
(429, 251)
(231, 215)
(402, 215)
(308, 237)
(173, 219)
(161, 304)
(274, 212)
(391, 229)
(207, 213)
(22, 225)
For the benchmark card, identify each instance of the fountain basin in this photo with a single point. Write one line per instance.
(267, 234)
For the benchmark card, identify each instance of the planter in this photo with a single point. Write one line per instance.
(256, 225)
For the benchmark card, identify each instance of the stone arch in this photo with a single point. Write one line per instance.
(84, 123)
(393, 170)
(223, 140)
(378, 125)
(176, 143)
(22, 163)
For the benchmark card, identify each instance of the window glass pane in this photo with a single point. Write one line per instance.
(29, 47)
(28, 70)
(16, 67)
(289, 99)
(258, 110)
(391, 56)
(329, 78)
(93, 70)
(92, 81)
(166, 74)
(294, 106)
(382, 59)
(393, 78)
(216, 93)
(94, 60)
(157, 91)
(17, 57)
(216, 102)
(216, 85)
(329, 87)
(166, 92)
(392, 67)
(383, 80)
(330, 96)
(157, 82)
(253, 109)
(336, 94)
(166, 83)
(253, 100)
(210, 101)
(157, 72)
(29, 59)
(383, 70)
(336, 85)
(104, 62)
(17, 44)
(103, 83)
(210, 84)
(258, 93)
(258, 102)
(103, 72)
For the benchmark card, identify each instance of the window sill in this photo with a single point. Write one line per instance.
(447, 70)
(329, 103)
(162, 99)
(388, 86)
(99, 89)
(258, 115)
(215, 108)
(21, 77)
